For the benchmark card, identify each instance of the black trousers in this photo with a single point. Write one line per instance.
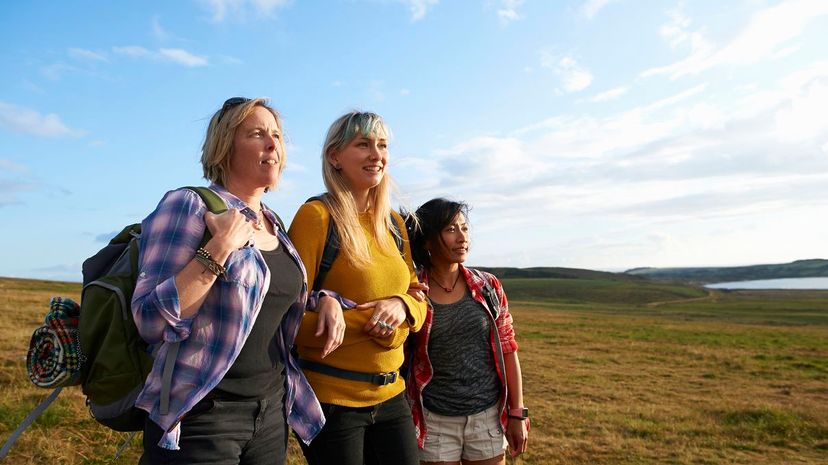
(382, 434)
(223, 432)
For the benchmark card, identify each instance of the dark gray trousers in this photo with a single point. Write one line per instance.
(220, 432)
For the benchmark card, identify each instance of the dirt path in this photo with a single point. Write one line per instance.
(711, 295)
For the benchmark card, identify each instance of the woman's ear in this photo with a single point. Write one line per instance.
(333, 159)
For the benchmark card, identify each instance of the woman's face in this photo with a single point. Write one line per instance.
(256, 159)
(453, 243)
(362, 162)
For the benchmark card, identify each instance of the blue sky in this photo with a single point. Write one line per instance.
(604, 134)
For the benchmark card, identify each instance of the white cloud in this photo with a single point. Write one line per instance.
(133, 51)
(56, 71)
(508, 11)
(591, 8)
(608, 95)
(676, 31)
(573, 76)
(183, 57)
(228, 60)
(220, 9)
(13, 167)
(804, 117)
(767, 34)
(160, 34)
(419, 8)
(672, 166)
(87, 54)
(25, 120)
(10, 189)
(405, 92)
(176, 55)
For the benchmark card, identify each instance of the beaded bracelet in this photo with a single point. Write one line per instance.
(209, 263)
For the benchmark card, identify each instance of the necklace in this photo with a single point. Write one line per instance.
(448, 289)
(259, 220)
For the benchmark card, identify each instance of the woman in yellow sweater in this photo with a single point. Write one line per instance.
(352, 356)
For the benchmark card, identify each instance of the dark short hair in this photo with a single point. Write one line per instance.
(431, 218)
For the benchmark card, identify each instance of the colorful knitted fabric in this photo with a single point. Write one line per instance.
(54, 357)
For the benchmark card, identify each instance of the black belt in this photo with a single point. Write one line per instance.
(380, 379)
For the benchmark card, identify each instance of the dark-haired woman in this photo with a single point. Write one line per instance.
(465, 384)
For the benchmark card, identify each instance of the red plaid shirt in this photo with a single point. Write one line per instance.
(420, 369)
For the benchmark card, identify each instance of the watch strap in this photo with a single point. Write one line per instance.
(518, 413)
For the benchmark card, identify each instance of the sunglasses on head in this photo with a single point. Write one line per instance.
(230, 103)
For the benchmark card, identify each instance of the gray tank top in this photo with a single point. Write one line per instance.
(465, 380)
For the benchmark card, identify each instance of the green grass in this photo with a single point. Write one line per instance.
(620, 373)
(547, 290)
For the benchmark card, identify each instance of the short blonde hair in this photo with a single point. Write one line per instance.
(218, 142)
(340, 202)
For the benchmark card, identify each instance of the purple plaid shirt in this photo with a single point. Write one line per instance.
(213, 338)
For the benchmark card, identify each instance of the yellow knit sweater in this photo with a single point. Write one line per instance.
(388, 276)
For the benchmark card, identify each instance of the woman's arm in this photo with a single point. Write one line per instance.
(230, 231)
(171, 285)
(516, 429)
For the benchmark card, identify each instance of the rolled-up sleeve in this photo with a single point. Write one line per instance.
(505, 328)
(169, 237)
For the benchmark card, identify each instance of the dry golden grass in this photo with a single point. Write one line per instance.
(742, 379)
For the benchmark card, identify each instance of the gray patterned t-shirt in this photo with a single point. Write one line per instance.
(465, 381)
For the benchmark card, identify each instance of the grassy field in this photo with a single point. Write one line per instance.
(613, 374)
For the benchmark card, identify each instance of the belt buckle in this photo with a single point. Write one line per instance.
(387, 378)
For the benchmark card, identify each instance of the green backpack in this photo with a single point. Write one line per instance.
(115, 360)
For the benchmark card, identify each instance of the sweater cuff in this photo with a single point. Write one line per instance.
(313, 299)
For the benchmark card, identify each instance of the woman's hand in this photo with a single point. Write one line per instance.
(517, 435)
(231, 230)
(418, 291)
(330, 321)
(388, 315)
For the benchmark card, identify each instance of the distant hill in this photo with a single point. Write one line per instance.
(556, 272)
(797, 269)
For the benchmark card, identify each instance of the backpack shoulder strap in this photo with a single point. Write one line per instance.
(332, 244)
(214, 202)
(215, 205)
(397, 234)
(489, 293)
(331, 250)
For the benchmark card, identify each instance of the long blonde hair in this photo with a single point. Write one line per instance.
(340, 201)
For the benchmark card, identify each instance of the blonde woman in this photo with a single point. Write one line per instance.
(230, 307)
(352, 356)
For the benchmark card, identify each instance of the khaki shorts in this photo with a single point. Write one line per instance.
(473, 437)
